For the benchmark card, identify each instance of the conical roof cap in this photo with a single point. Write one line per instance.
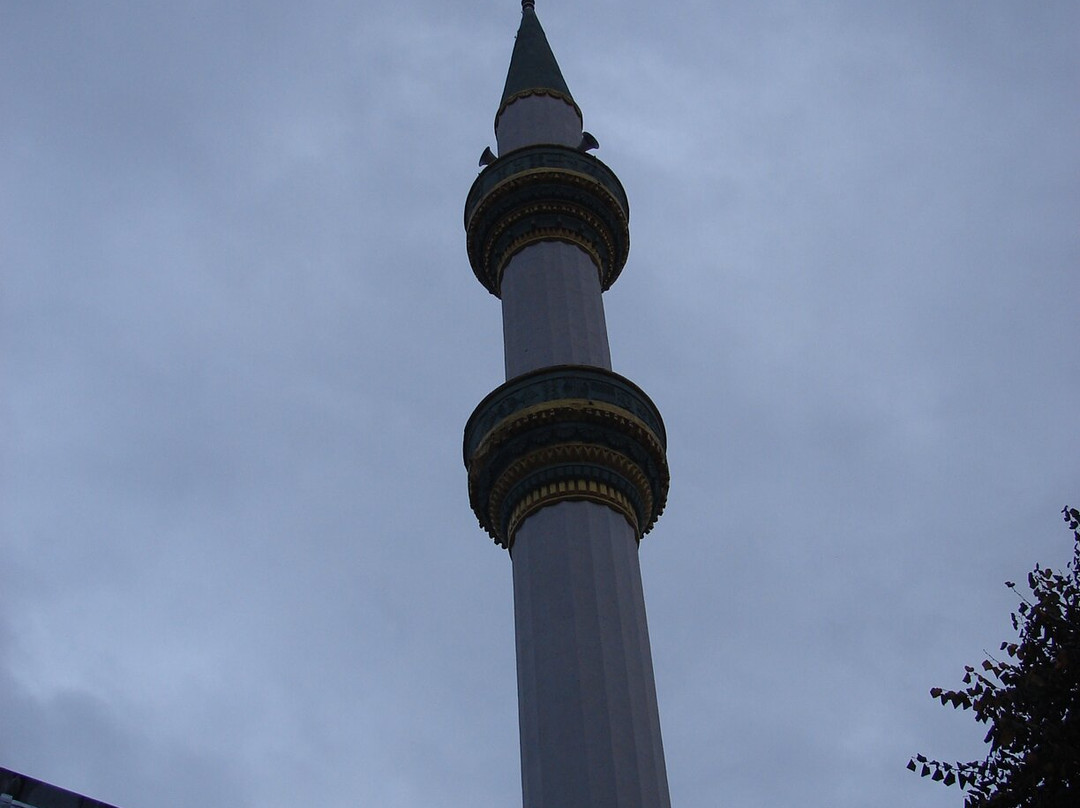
(533, 68)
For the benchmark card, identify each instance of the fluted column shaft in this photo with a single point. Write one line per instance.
(590, 728)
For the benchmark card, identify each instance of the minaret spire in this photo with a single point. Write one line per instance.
(533, 67)
(534, 74)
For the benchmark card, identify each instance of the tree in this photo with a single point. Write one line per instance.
(1031, 701)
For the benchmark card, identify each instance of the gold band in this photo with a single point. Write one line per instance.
(568, 490)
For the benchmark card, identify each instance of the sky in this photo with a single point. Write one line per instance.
(239, 340)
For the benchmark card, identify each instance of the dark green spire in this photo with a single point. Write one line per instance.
(533, 66)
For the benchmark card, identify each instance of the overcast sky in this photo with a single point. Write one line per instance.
(240, 339)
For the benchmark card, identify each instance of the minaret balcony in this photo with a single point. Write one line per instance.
(570, 432)
(546, 193)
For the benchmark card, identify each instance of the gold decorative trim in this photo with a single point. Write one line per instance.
(536, 91)
(521, 177)
(538, 234)
(567, 409)
(562, 454)
(552, 494)
(530, 175)
(549, 234)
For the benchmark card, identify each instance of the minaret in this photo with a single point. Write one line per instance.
(566, 460)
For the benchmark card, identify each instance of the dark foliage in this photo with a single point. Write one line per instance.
(1031, 701)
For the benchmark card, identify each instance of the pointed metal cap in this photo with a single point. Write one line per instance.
(533, 69)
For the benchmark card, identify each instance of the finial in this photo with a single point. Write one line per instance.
(528, 4)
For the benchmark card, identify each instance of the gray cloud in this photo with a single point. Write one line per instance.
(241, 338)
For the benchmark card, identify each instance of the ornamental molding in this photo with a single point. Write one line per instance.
(568, 411)
(572, 490)
(565, 382)
(569, 432)
(550, 93)
(595, 473)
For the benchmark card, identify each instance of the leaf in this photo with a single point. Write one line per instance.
(1027, 699)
